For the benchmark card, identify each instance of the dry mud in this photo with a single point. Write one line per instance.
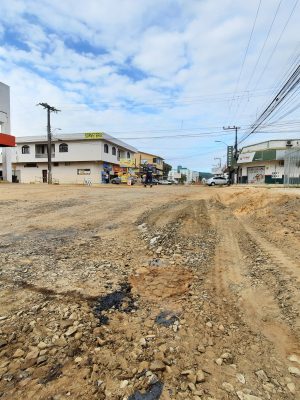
(162, 293)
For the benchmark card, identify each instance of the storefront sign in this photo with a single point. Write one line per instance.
(246, 157)
(127, 162)
(85, 171)
(93, 135)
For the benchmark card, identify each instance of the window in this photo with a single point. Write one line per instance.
(155, 160)
(113, 151)
(281, 163)
(128, 154)
(119, 154)
(63, 148)
(56, 164)
(25, 149)
(67, 163)
(106, 148)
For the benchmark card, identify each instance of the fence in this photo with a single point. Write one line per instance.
(292, 167)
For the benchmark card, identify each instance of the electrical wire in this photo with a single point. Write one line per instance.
(245, 55)
(260, 54)
(278, 40)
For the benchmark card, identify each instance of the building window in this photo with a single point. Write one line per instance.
(281, 163)
(25, 149)
(113, 151)
(63, 148)
(56, 164)
(119, 154)
(67, 163)
(106, 148)
(128, 154)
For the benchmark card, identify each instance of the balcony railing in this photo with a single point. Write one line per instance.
(44, 155)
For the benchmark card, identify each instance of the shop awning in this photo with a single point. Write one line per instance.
(7, 140)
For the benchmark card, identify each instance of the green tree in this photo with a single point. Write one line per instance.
(182, 179)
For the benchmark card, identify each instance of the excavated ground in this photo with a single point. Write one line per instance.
(129, 293)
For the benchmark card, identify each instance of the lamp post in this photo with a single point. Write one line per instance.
(220, 141)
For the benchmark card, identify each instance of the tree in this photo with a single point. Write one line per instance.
(166, 169)
(182, 179)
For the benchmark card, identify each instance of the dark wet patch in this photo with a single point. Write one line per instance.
(153, 393)
(166, 318)
(121, 300)
(53, 374)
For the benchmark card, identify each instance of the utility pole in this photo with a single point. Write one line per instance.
(49, 137)
(235, 155)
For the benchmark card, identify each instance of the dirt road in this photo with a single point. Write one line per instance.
(162, 293)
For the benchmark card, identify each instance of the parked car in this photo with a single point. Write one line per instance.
(154, 181)
(164, 182)
(116, 180)
(218, 180)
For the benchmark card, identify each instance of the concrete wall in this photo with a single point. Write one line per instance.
(272, 169)
(271, 144)
(5, 128)
(83, 150)
(62, 173)
(4, 109)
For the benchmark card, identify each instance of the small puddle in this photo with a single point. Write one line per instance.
(121, 300)
(153, 393)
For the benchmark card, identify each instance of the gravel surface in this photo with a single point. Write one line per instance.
(135, 293)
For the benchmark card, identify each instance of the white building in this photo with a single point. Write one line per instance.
(173, 175)
(176, 174)
(6, 140)
(265, 162)
(75, 157)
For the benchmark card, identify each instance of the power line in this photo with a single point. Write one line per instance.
(278, 40)
(261, 52)
(245, 55)
(288, 87)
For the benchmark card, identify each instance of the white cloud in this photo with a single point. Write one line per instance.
(168, 54)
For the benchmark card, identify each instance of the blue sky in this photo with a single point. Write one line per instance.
(148, 68)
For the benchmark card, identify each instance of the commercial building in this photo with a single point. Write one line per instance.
(142, 159)
(191, 176)
(93, 156)
(265, 162)
(6, 139)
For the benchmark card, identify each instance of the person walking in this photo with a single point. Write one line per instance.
(149, 176)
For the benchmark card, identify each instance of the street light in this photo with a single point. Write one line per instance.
(220, 141)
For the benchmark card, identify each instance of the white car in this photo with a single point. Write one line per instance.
(217, 180)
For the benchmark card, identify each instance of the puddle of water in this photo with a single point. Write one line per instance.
(153, 393)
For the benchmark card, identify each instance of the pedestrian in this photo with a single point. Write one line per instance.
(149, 173)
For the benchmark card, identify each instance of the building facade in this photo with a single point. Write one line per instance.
(76, 158)
(265, 162)
(6, 139)
(141, 159)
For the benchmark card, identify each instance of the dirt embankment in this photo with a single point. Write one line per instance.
(132, 293)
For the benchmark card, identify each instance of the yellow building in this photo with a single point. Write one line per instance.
(141, 159)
